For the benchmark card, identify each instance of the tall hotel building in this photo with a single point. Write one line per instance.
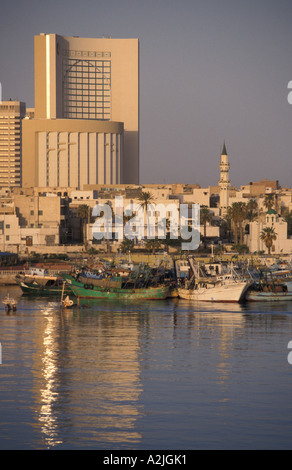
(85, 128)
(11, 116)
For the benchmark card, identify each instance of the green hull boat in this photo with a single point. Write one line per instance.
(33, 288)
(90, 291)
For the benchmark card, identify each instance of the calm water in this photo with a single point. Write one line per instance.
(154, 375)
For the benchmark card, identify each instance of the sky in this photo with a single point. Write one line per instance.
(210, 71)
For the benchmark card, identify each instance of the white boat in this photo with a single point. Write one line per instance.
(220, 291)
(224, 288)
(37, 275)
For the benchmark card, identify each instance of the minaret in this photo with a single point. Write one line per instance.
(224, 182)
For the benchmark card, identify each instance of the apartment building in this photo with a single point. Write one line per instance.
(11, 116)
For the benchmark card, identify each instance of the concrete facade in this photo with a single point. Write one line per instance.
(71, 152)
(11, 116)
(91, 78)
(281, 245)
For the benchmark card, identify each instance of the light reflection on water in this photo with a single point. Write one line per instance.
(154, 375)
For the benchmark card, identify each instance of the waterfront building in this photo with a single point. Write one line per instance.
(11, 116)
(282, 244)
(87, 82)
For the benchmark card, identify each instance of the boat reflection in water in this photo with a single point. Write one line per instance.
(93, 379)
(148, 375)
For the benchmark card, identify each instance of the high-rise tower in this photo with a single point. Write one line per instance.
(86, 104)
(224, 182)
(11, 116)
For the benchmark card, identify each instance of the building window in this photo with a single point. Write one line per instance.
(87, 88)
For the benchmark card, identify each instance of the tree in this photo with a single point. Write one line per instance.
(205, 217)
(269, 201)
(84, 213)
(153, 245)
(251, 210)
(268, 235)
(238, 214)
(145, 199)
(225, 227)
(288, 218)
(126, 245)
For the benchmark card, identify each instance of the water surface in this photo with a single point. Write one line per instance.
(171, 374)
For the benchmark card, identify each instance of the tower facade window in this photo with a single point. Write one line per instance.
(86, 88)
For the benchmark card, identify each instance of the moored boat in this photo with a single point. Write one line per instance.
(268, 291)
(51, 285)
(225, 287)
(220, 291)
(90, 291)
(39, 275)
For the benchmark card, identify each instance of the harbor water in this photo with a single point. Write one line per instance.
(169, 374)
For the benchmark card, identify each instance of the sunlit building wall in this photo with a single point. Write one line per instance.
(91, 79)
(11, 115)
(72, 152)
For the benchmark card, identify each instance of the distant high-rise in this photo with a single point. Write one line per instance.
(11, 115)
(91, 79)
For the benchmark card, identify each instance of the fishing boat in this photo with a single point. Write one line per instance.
(223, 288)
(215, 291)
(39, 275)
(271, 278)
(268, 291)
(47, 285)
(123, 291)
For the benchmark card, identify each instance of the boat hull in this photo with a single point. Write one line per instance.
(271, 291)
(254, 296)
(33, 289)
(234, 292)
(149, 293)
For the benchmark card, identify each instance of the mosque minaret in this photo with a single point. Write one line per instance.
(224, 182)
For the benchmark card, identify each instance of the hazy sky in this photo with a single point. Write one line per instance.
(209, 70)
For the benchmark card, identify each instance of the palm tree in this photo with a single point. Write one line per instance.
(269, 201)
(268, 235)
(126, 245)
(251, 210)
(153, 245)
(238, 214)
(205, 217)
(84, 213)
(288, 218)
(145, 199)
